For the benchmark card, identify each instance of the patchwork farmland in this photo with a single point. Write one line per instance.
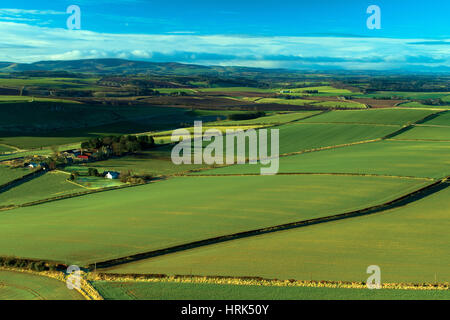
(362, 180)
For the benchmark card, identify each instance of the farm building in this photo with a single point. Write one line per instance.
(112, 175)
(32, 165)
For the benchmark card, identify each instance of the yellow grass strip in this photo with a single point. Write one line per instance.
(261, 282)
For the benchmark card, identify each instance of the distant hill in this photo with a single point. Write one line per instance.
(120, 66)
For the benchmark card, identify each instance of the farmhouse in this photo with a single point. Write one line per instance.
(112, 175)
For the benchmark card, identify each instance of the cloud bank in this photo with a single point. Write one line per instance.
(21, 42)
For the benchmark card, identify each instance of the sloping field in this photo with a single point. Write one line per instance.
(296, 137)
(4, 148)
(372, 116)
(398, 158)
(415, 104)
(341, 104)
(299, 137)
(118, 223)
(409, 244)
(278, 118)
(155, 162)
(24, 286)
(49, 185)
(425, 133)
(207, 291)
(442, 119)
(304, 102)
(294, 102)
(8, 174)
(407, 95)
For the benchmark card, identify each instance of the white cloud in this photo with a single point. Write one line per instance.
(288, 52)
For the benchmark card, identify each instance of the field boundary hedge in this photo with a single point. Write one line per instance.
(258, 281)
(398, 202)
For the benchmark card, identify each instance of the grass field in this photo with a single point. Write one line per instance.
(237, 89)
(426, 133)
(296, 137)
(341, 105)
(24, 286)
(407, 95)
(415, 104)
(47, 186)
(30, 99)
(4, 149)
(373, 116)
(294, 102)
(314, 103)
(205, 291)
(410, 244)
(442, 119)
(403, 158)
(155, 162)
(39, 152)
(272, 119)
(8, 174)
(85, 229)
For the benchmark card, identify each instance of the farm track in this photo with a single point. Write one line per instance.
(399, 202)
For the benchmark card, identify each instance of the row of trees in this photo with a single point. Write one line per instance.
(119, 145)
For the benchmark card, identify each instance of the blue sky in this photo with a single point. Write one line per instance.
(318, 34)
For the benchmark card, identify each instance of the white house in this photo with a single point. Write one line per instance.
(112, 175)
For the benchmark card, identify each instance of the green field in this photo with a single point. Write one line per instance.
(39, 152)
(24, 286)
(49, 185)
(297, 137)
(341, 105)
(443, 119)
(8, 174)
(273, 119)
(314, 103)
(426, 133)
(30, 99)
(4, 148)
(237, 89)
(373, 116)
(419, 105)
(410, 244)
(407, 95)
(85, 229)
(398, 158)
(206, 291)
(294, 102)
(155, 162)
